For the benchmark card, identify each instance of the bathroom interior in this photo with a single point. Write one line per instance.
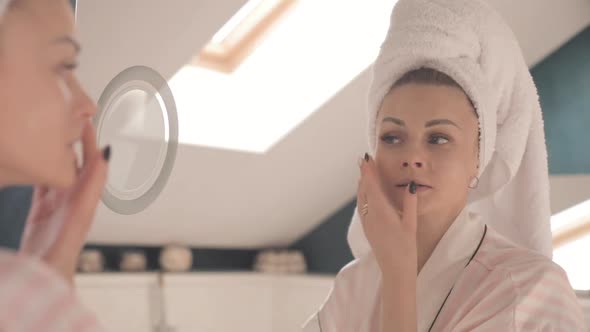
(231, 191)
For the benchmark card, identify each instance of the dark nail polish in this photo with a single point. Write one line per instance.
(366, 156)
(106, 153)
(412, 187)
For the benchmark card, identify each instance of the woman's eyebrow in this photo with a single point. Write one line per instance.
(394, 120)
(68, 40)
(436, 122)
(430, 123)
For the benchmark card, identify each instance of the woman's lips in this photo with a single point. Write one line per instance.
(419, 187)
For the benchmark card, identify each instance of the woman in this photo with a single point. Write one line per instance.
(44, 112)
(451, 230)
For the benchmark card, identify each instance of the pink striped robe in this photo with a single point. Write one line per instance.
(504, 288)
(33, 298)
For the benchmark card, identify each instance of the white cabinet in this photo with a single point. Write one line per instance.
(242, 301)
(296, 298)
(122, 302)
(209, 302)
(203, 302)
(212, 302)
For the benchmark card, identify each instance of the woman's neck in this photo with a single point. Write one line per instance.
(431, 228)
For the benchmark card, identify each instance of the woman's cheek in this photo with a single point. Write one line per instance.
(452, 168)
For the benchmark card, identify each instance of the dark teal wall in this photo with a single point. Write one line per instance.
(325, 248)
(563, 81)
(14, 207)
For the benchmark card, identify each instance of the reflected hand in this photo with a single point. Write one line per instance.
(392, 236)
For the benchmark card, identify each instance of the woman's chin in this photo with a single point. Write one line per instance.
(62, 178)
(424, 207)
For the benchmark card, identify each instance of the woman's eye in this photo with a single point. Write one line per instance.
(70, 66)
(390, 139)
(66, 68)
(438, 139)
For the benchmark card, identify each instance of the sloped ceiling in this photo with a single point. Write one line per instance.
(228, 199)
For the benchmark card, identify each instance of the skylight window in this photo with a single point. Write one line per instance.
(314, 50)
(241, 34)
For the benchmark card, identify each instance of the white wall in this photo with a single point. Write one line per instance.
(568, 190)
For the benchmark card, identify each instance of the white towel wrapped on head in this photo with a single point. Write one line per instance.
(470, 42)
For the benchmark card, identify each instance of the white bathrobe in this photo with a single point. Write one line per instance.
(504, 288)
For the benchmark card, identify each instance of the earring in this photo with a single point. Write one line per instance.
(472, 185)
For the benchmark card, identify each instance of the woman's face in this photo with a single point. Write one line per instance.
(428, 134)
(43, 108)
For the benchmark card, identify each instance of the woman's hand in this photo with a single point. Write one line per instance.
(391, 234)
(392, 237)
(59, 219)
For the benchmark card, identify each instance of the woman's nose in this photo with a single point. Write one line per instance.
(88, 106)
(413, 164)
(85, 105)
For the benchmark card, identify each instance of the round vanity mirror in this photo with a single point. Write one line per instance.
(137, 117)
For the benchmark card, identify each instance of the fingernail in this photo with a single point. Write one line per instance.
(366, 156)
(106, 153)
(412, 187)
(360, 161)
